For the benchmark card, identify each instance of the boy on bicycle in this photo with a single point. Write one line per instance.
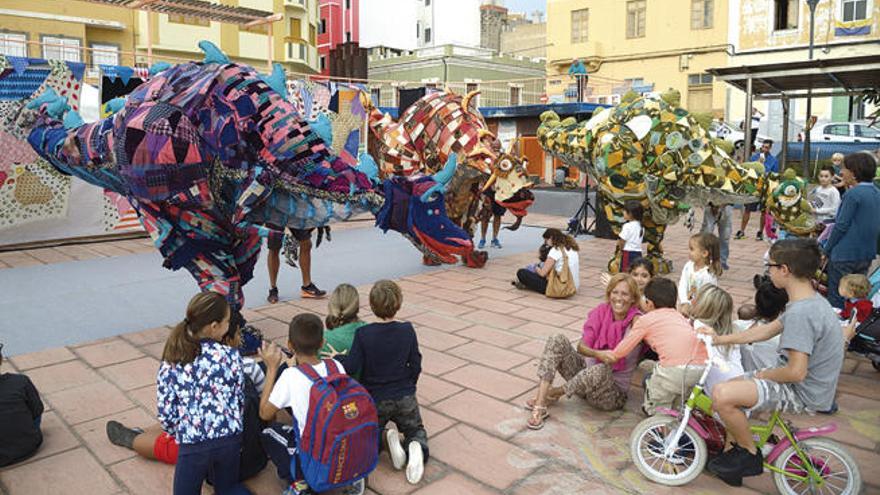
(811, 354)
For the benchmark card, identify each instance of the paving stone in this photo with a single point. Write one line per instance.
(439, 322)
(273, 329)
(496, 293)
(50, 379)
(150, 336)
(434, 422)
(56, 437)
(94, 434)
(74, 471)
(282, 311)
(154, 349)
(146, 397)
(456, 484)
(95, 400)
(432, 389)
(490, 355)
(541, 331)
(37, 359)
(145, 477)
(444, 307)
(551, 318)
(132, 374)
(437, 363)
(492, 461)
(489, 381)
(492, 319)
(437, 339)
(386, 481)
(532, 347)
(108, 352)
(489, 335)
(492, 416)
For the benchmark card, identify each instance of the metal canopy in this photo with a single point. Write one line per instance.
(196, 8)
(838, 76)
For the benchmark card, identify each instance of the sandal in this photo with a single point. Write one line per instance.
(539, 416)
(273, 295)
(530, 403)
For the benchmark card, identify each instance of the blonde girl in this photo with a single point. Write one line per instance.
(713, 307)
(703, 268)
(342, 321)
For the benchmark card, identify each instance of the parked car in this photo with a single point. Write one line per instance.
(843, 132)
(727, 132)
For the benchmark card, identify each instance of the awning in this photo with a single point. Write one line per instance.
(831, 77)
(196, 8)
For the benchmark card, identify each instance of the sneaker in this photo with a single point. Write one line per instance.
(740, 235)
(298, 487)
(356, 489)
(519, 285)
(496, 244)
(760, 236)
(415, 468)
(737, 463)
(398, 456)
(311, 291)
(833, 409)
(481, 244)
(120, 435)
(272, 298)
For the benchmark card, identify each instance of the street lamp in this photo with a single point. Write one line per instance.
(806, 155)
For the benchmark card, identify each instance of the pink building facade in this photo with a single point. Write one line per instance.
(338, 24)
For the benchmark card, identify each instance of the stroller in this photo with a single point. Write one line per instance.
(866, 340)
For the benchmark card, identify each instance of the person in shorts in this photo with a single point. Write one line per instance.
(811, 349)
(273, 262)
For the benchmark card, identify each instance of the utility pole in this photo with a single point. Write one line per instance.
(805, 162)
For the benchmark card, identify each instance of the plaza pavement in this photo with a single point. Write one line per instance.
(480, 339)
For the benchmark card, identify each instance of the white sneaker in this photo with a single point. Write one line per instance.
(398, 456)
(415, 468)
(356, 489)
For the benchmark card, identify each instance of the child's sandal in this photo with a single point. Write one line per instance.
(538, 417)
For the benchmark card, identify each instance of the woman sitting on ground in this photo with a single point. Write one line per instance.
(604, 387)
(562, 246)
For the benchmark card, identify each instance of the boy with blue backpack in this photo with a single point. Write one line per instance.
(334, 438)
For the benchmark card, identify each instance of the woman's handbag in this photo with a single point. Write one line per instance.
(560, 284)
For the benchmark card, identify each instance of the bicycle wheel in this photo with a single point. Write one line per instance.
(838, 469)
(646, 450)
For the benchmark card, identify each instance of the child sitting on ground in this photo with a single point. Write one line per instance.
(342, 321)
(769, 303)
(703, 267)
(712, 309)
(292, 390)
(805, 379)
(681, 356)
(200, 397)
(387, 357)
(543, 251)
(20, 413)
(854, 288)
(629, 242)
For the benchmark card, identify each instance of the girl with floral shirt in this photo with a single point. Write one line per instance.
(200, 397)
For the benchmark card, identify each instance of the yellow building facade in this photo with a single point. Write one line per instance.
(650, 45)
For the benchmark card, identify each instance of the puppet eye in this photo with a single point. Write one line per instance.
(505, 165)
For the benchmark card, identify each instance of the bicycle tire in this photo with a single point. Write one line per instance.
(701, 453)
(854, 485)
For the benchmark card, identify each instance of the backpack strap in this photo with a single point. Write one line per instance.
(309, 371)
(332, 369)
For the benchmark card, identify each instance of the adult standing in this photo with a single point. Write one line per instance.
(770, 165)
(853, 241)
(719, 216)
(602, 386)
(578, 70)
(562, 247)
(273, 263)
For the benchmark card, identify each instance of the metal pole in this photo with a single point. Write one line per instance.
(149, 37)
(785, 103)
(805, 160)
(747, 123)
(271, 38)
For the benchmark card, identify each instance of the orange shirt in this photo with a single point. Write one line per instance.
(670, 335)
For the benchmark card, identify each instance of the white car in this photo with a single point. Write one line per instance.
(843, 132)
(727, 132)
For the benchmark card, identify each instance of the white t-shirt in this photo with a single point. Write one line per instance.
(573, 263)
(825, 201)
(727, 362)
(758, 355)
(691, 281)
(292, 390)
(632, 233)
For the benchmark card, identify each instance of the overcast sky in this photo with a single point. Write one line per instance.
(527, 6)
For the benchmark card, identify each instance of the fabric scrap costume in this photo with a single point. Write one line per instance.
(208, 154)
(651, 150)
(429, 131)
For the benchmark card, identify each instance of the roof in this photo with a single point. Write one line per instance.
(202, 9)
(847, 75)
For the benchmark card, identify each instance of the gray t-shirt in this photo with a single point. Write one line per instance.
(812, 327)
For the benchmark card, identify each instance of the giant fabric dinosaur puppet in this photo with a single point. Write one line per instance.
(650, 150)
(212, 156)
(429, 131)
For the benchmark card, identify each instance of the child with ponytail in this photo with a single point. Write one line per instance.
(342, 322)
(200, 397)
(703, 267)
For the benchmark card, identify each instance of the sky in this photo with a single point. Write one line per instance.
(527, 6)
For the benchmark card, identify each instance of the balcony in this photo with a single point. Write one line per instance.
(298, 4)
(296, 52)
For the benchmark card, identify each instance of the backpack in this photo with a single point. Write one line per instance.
(340, 442)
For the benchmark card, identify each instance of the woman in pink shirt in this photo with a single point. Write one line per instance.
(603, 386)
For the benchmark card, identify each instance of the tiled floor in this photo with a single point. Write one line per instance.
(480, 338)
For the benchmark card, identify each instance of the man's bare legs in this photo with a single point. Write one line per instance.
(305, 261)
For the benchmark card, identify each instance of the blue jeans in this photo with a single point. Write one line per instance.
(836, 271)
(217, 458)
(719, 216)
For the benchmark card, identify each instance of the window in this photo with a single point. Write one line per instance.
(322, 62)
(786, 15)
(701, 14)
(515, 93)
(837, 130)
(427, 35)
(468, 87)
(418, 30)
(296, 29)
(854, 10)
(313, 34)
(867, 132)
(579, 20)
(376, 96)
(14, 44)
(427, 3)
(105, 55)
(188, 19)
(61, 49)
(348, 36)
(698, 79)
(322, 28)
(635, 19)
(347, 4)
